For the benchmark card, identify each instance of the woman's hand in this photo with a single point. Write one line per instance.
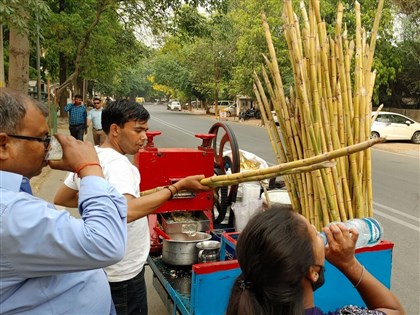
(340, 253)
(341, 245)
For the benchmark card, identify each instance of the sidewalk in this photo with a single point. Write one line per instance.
(250, 122)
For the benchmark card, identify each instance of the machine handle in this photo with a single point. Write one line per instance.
(161, 233)
(207, 139)
(150, 135)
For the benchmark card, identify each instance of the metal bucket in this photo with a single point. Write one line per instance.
(181, 249)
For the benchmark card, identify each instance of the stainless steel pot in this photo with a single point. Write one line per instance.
(181, 249)
(209, 251)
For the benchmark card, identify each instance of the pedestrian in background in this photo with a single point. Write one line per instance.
(51, 262)
(94, 117)
(77, 117)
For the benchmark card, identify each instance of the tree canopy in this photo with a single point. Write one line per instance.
(194, 49)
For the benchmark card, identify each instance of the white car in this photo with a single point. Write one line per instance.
(275, 118)
(175, 105)
(230, 110)
(394, 126)
(221, 105)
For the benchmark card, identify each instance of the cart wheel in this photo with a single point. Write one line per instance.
(223, 141)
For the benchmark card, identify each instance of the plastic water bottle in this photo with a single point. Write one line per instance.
(370, 231)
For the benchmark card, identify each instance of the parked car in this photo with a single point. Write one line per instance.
(394, 126)
(174, 105)
(230, 110)
(275, 118)
(220, 106)
(194, 104)
(225, 103)
(140, 100)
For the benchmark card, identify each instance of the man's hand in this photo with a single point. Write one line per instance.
(75, 153)
(192, 183)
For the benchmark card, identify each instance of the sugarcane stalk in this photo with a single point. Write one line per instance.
(299, 79)
(274, 136)
(254, 178)
(378, 110)
(357, 74)
(275, 68)
(334, 171)
(299, 163)
(374, 33)
(257, 178)
(348, 48)
(277, 144)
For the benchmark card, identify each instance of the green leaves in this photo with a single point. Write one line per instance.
(204, 45)
(18, 13)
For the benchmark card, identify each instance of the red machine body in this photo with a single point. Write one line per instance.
(164, 166)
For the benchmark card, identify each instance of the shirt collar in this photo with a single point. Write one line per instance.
(15, 182)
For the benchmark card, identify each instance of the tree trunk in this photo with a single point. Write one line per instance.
(62, 98)
(18, 61)
(2, 79)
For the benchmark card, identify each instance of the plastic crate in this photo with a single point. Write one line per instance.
(228, 245)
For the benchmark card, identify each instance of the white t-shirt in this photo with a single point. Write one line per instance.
(125, 177)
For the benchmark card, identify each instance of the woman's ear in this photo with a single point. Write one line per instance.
(312, 274)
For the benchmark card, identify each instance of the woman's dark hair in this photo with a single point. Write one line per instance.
(274, 252)
(121, 111)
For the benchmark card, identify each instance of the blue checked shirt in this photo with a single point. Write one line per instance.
(77, 114)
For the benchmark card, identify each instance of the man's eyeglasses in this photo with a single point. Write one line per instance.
(96, 103)
(45, 139)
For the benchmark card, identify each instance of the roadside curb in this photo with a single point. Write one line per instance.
(249, 122)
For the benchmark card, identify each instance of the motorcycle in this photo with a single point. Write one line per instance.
(250, 113)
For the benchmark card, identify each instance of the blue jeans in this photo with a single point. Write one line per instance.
(130, 296)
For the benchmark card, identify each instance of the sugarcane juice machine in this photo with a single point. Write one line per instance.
(189, 212)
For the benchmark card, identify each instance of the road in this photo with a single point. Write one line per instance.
(396, 188)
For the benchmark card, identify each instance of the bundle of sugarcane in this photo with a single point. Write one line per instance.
(329, 108)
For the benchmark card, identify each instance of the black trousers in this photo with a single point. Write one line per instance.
(78, 131)
(130, 296)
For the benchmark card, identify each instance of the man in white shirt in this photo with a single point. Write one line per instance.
(94, 117)
(125, 124)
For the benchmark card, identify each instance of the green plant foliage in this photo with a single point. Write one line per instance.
(207, 49)
(22, 14)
